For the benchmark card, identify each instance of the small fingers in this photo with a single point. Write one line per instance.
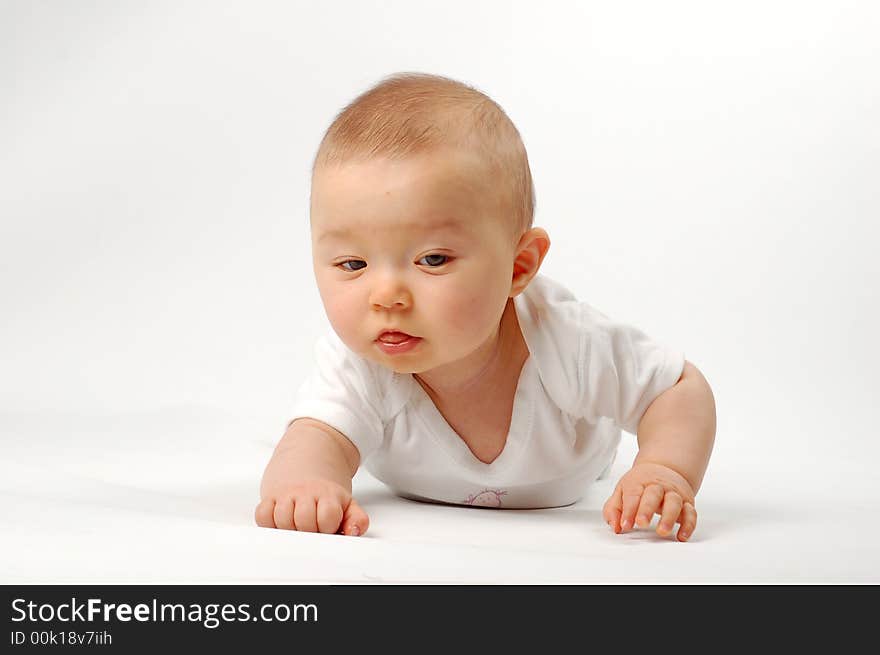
(672, 504)
(355, 520)
(283, 514)
(649, 505)
(263, 514)
(329, 514)
(631, 497)
(305, 514)
(688, 520)
(611, 510)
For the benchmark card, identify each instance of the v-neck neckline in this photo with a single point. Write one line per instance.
(521, 416)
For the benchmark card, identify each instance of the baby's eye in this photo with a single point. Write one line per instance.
(352, 261)
(435, 260)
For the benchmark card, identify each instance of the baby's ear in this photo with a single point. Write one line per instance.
(530, 252)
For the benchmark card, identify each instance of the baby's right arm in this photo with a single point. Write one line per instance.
(307, 483)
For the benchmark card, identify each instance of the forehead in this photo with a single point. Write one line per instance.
(425, 192)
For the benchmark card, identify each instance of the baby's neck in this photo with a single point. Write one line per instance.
(503, 356)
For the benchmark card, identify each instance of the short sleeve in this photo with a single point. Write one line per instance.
(622, 370)
(342, 392)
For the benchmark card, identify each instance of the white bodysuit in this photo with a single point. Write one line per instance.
(586, 377)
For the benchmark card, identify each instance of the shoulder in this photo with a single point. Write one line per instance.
(553, 324)
(549, 315)
(559, 324)
(384, 389)
(577, 348)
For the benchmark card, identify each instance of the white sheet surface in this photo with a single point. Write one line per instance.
(168, 497)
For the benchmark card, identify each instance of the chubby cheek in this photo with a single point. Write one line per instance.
(470, 316)
(341, 309)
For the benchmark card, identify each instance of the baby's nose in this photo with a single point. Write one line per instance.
(390, 293)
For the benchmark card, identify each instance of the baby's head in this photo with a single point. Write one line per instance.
(421, 220)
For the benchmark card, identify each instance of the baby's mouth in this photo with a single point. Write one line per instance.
(394, 337)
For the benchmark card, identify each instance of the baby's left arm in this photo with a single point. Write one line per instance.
(675, 435)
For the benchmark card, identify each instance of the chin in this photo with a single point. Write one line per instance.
(391, 363)
(402, 367)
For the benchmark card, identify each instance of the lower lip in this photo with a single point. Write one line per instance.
(398, 348)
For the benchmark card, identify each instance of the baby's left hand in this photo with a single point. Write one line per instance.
(648, 489)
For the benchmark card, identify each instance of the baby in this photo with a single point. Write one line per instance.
(454, 371)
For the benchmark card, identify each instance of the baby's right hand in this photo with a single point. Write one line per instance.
(313, 506)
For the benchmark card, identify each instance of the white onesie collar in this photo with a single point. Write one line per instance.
(522, 415)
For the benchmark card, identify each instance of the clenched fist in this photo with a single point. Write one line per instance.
(312, 506)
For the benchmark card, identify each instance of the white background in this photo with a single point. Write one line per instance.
(706, 171)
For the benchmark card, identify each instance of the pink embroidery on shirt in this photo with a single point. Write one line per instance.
(486, 498)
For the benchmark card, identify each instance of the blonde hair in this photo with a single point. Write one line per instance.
(407, 114)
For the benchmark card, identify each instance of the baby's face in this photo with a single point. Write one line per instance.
(414, 245)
